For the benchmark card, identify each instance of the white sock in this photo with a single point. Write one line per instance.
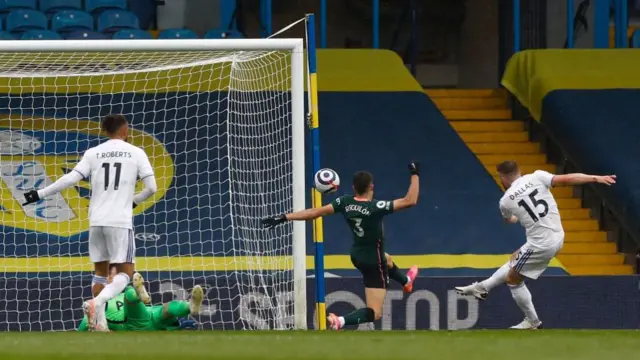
(98, 280)
(499, 277)
(117, 285)
(522, 296)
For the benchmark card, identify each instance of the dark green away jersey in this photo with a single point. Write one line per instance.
(365, 221)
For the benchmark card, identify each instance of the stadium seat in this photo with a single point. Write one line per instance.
(40, 35)
(5, 35)
(50, 7)
(635, 39)
(111, 21)
(7, 6)
(71, 20)
(85, 35)
(177, 34)
(132, 34)
(19, 21)
(223, 34)
(98, 6)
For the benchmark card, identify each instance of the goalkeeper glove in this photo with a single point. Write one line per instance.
(187, 324)
(270, 223)
(414, 168)
(31, 197)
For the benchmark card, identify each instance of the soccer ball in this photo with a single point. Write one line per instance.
(327, 181)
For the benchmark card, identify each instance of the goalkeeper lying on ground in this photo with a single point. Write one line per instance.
(126, 312)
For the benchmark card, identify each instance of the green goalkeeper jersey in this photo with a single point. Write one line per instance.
(122, 316)
(364, 218)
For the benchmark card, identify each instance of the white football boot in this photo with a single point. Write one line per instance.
(526, 324)
(195, 303)
(476, 290)
(141, 291)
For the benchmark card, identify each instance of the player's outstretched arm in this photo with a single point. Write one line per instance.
(580, 179)
(64, 182)
(306, 214)
(411, 198)
(81, 171)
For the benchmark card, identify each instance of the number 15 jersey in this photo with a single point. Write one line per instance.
(113, 168)
(529, 198)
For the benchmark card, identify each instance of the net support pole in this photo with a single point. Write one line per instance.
(299, 228)
(316, 199)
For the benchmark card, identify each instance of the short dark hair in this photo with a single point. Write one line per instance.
(361, 182)
(112, 123)
(509, 167)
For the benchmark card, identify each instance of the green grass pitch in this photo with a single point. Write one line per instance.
(363, 345)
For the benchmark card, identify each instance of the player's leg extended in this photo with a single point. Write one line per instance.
(481, 290)
(376, 281)
(406, 280)
(121, 247)
(176, 309)
(525, 264)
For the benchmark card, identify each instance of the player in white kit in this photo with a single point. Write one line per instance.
(113, 168)
(528, 200)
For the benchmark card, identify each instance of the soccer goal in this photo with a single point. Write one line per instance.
(223, 124)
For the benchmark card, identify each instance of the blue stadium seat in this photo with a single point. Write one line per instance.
(71, 20)
(111, 21)
(7, 6)
(5, 35)
(223, 34)
(128, 34)
(85, 35)
(40, 35)
(177, 34)
(25, 19)
(50, 7)
(635, 39)
(98, 6)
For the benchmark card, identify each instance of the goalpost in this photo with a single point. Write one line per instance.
(223, 123)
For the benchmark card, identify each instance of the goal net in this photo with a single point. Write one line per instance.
(223, 125)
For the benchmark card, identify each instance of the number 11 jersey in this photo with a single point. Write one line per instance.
(529, 198)
(113, 168)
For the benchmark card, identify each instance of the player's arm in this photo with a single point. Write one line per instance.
(511, 220)
(411, 198)
(81, 171)
(306, 214)
(580, 179)
(145, 173)
(507, 216)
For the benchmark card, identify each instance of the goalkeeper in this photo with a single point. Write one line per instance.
(126, 312)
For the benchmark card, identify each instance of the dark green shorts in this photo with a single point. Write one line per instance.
(374, 276)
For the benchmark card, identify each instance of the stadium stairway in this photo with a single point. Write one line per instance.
(483, 120)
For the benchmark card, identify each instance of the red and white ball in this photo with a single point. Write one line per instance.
(327, 181)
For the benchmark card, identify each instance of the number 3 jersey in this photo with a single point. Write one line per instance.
(364, 218)
(529, 198)
(113, 168)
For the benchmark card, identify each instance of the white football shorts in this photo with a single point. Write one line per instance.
(531, 261)
(112, 244)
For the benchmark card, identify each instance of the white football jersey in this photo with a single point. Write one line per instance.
(113, 168)
(529, 198)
